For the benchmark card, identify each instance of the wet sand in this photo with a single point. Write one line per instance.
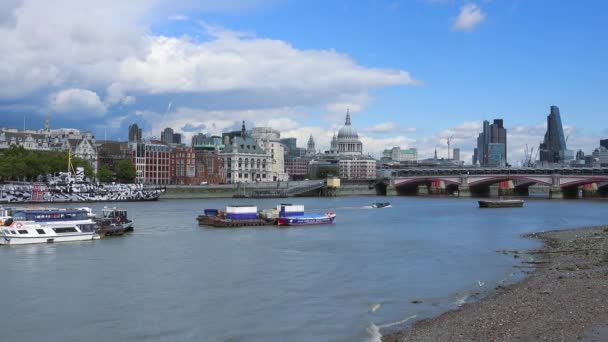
(564, 298)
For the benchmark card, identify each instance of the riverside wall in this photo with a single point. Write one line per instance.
(228, 190)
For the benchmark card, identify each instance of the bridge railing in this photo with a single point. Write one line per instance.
(392, 173)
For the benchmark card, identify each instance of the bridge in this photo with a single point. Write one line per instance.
(562, 182)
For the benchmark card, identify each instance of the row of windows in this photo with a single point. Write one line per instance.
(21, 231)
(246, 175)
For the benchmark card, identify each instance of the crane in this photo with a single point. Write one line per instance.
(449, 139)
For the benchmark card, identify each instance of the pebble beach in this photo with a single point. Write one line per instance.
(563, 298)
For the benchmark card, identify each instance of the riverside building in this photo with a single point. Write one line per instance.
(245, 161)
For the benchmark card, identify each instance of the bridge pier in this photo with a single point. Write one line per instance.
(556, 193)
(437, 188)
(463, 188)
(506, 188)
(590, 190)
(464, 191)
(391, 190)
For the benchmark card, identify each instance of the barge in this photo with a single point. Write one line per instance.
(514, 203)
(234, 216)
(248, 216)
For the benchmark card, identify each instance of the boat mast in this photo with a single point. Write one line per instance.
(70, 165)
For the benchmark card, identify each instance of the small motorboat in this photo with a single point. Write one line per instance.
(293, 215)
(513, 203)
(381, 205)
(306, 220)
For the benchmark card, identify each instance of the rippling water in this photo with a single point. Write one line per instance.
(172, 280)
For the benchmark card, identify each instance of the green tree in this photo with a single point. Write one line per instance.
(125, 171)
(104, 174)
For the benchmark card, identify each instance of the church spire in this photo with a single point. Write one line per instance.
(347, 123)
(243, 130)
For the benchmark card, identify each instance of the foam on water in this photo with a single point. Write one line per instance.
(374, 330)
(460, 300)
(374, 333)
(387, 325)
(375, 307)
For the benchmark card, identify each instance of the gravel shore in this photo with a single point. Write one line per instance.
(565, 298)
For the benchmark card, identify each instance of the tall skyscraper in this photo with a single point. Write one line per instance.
(134, 134)
(496, 135)
(553, 148)
(456, 154)
(604, 143)
(166, 135)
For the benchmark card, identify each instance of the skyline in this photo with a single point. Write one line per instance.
(411, 72)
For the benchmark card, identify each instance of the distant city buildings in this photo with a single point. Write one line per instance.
(553, 148)
(109, 153)
(169, 137)
(456, 154)
(491, 147)
(135, 134)
(398, 154)
(80, 144)
(345, 157)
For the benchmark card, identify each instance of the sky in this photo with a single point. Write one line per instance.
(411, 72)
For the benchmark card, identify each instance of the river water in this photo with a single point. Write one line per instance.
(172, 280)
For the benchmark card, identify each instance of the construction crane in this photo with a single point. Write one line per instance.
(449, 139)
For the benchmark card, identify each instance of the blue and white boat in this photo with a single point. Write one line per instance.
(293, 215)
(45, 225)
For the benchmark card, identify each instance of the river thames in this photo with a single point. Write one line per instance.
(171, 280)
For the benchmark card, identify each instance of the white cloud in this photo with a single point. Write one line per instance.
(48, 48)
(77, 101)
(470, 16)
(178, 17)
(388, 127)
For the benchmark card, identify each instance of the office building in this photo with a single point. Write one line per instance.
(553, 148)
(494, 133)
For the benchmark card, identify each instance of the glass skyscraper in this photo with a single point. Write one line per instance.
(553, 149)
(493, 134)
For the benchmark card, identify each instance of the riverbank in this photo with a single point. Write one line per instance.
(564, 298)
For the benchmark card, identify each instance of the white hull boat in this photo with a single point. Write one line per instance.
(29, 226)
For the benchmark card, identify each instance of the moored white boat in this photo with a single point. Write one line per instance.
(46, 225)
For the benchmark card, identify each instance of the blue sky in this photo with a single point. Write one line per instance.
(412, 72)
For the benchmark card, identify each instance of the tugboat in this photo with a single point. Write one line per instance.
(293, 215)
(381, 205)
(118, 215)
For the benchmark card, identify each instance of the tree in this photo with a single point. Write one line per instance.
(125, 171)
(104, 174)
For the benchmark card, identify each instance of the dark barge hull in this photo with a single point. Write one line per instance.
(218, 222)
(501, 204)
